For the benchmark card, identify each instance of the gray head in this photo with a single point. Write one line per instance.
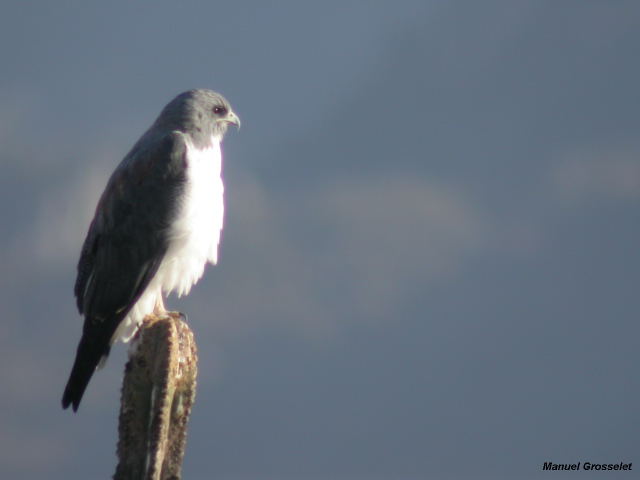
(201, 113)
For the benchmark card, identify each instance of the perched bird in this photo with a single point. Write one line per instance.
(156, 226)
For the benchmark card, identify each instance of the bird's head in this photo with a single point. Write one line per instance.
(199, 112)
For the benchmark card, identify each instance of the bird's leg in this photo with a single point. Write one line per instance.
(159, 309)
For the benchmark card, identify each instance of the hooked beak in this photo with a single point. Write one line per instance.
(232, 119)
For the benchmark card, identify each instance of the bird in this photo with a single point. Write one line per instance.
(156, 226)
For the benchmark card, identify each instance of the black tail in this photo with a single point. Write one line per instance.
(90, 352)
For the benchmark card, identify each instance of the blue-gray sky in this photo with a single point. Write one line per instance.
(429, 265)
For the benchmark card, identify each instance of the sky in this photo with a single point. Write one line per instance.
(429, 264)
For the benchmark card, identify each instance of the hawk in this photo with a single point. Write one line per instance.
(156, 226)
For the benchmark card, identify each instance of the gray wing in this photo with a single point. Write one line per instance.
(126, 242)
(127, 238)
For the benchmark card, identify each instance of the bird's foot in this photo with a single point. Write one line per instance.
(178, 315)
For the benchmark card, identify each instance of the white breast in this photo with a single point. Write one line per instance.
(195, 232)
(194, 235)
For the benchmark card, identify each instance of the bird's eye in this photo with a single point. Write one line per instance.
(219, 110)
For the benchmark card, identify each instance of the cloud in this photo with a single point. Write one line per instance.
(396, 232)
(64, 214)
(599, 173)
(375, 240)
(60, 203)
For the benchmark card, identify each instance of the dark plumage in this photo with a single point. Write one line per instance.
(135, 225)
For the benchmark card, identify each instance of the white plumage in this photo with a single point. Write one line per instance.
(194, 236)
(156, 227)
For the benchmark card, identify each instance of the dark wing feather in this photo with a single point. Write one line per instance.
(125, 245)
(127, 237)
